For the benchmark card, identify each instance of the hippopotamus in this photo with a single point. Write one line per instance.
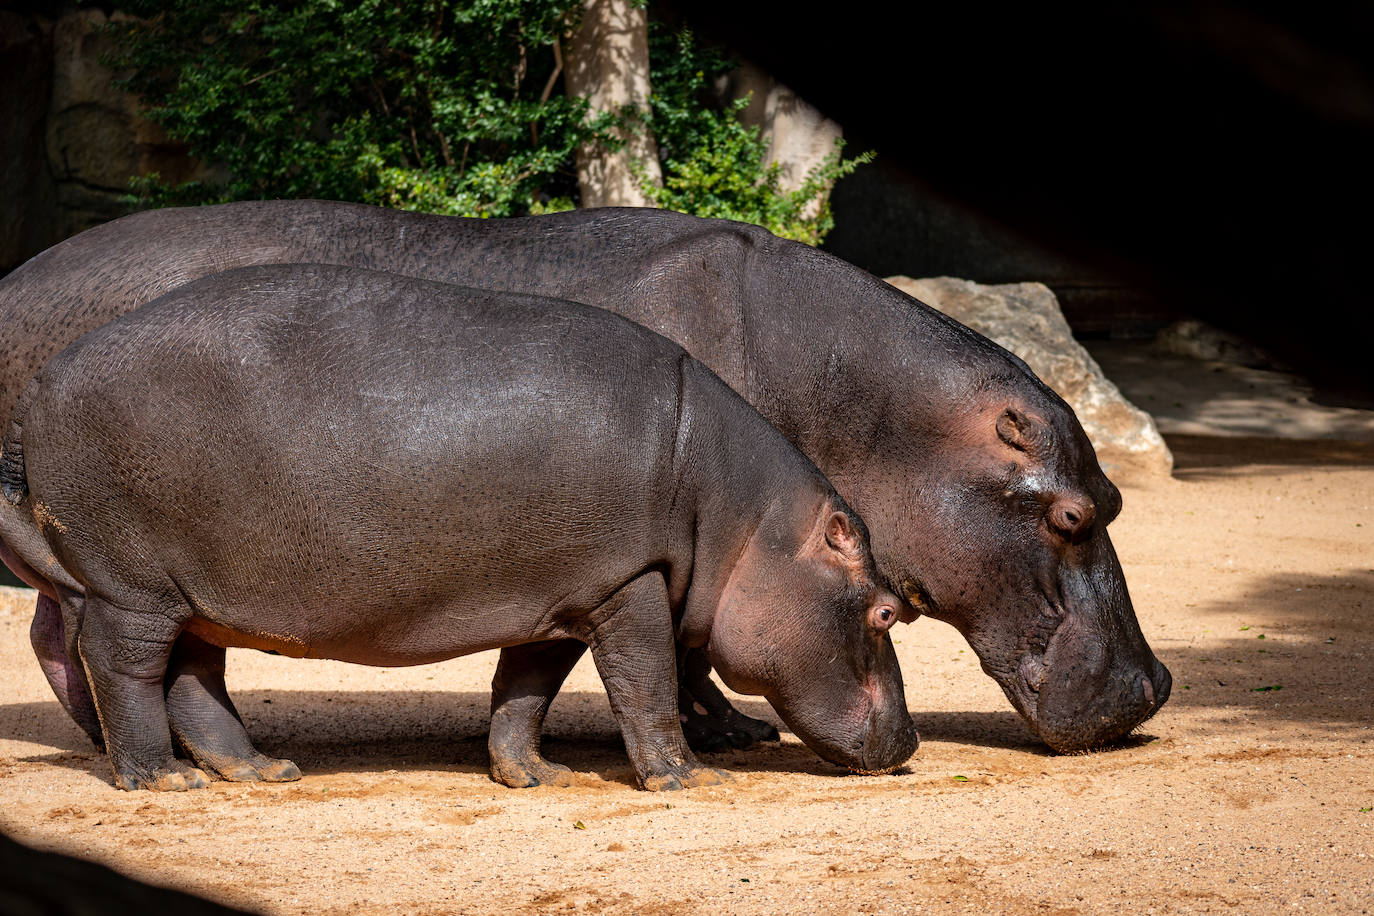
(985, 501)
(330, 462)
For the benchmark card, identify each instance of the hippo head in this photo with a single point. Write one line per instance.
(804, 623)
(1007, 540)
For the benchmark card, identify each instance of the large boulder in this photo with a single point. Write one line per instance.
(1025, 318)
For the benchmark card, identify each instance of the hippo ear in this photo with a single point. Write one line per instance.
(917, 601)
(841, 535)
(1021, 431)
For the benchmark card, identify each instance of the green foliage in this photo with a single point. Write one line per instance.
(446, 106)
(436, 105)
(714, 165)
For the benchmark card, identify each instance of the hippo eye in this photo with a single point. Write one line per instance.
(883, 617)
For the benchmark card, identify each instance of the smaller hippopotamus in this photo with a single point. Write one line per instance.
(338, 463)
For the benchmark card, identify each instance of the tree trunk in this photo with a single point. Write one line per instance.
(798, 135)
(608, 64)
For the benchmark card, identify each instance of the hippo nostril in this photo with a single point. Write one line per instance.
(1149, 691)
(1163, 681)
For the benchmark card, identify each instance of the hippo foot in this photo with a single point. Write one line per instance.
(707, 733)
(689, 775)
(530, 772)
(173, 777)
(259, 768)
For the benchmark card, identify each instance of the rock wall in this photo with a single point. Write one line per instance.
(74, 140)
(1025, 318)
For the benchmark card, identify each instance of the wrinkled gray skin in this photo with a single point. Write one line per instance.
(336, 463)
(986, 504)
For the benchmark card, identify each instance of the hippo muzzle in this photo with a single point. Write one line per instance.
(1079, 696)
(873, 737)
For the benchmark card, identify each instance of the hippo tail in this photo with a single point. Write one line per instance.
(13, 481)
(24, 548)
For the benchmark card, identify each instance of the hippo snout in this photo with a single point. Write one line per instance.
(889, 744)
(1086, 690)
(1156, 687)
(871, 735)
(1078, 717)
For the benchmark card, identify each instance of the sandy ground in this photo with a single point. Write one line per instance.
(1251, 792)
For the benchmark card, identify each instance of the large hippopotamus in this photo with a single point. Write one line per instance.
(983, 495)
(329, 462)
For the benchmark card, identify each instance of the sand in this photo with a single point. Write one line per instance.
(1250, 792)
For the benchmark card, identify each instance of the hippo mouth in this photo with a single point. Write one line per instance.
(865, 742)
(1035, 660)
(1070, 690)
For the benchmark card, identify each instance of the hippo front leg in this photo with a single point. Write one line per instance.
(527, 679)
(708, 720)
(204, 721)
(632, 642)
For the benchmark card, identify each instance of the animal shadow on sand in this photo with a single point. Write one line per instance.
(1212, 457)
(338, 732)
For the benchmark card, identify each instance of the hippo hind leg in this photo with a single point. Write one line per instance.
(63, 670)
(126, 649)
(204, 722)
(708, 720)
(527, 679)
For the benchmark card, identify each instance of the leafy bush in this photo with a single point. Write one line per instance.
(446, 106)
(716, 166)
(435, 105)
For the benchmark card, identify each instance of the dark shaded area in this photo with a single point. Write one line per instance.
(1194, 456)
(26, 182)
(1005, 730)
(1300, 657)
(1215, 153)
(34, 883)
(888, 223)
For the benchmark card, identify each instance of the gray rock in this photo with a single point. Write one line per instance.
(1199, 340)
(1025, 318)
